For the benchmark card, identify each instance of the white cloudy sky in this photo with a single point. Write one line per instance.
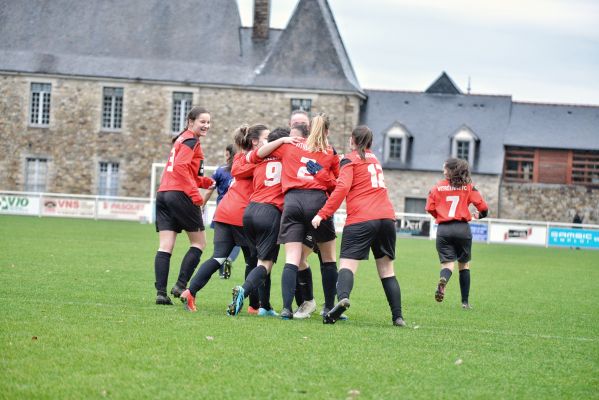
(534, 50)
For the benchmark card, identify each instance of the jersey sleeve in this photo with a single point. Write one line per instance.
(204, 182)
(477, 199)
(431, 204)
(181, 167)
(346, 178)
(241, 168)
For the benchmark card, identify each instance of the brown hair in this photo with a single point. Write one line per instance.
(231, 149)
(245, 134)
(362, 139)
(458, 172)
(192, 115)
(317, 140)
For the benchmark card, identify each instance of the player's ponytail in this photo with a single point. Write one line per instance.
(245, 135)
(362, 136)
(231, 150)
(458, 172)
(317, 140)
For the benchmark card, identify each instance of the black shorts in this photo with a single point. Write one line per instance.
(309, 242)
(301, 205)
(454, 241)
(378, 235)
(261, 225)
(176, 212)
(226, 237)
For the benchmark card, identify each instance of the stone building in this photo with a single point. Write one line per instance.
(531, 161)
(93, 91)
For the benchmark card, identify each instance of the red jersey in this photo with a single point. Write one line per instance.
(231, 207)
(267, 183)
(363, 183)
(185, 167)
(447, 203)
(294, 158)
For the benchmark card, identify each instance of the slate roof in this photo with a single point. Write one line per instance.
(195, 41)
(432, 119)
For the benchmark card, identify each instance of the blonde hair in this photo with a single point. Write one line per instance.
(317, 140)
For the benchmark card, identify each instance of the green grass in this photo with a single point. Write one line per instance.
(78, 321)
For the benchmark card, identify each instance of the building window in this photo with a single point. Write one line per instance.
(40, 103)
(112, 109)
(585, 168)
(301, 104)
(109, 179)
(463, 149)
(463, 145)
(519, 165)
(35, 174)
(181, 107)
(395, 148)
(414, 205)
(397, 140)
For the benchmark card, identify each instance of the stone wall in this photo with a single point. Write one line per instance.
(544, 202)
(75, 143)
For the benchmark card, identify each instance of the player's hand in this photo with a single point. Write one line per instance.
(316, 221)
(313, 167)
(475, 215)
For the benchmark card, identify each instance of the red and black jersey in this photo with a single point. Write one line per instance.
(267, 183)
(294, 158)
(185, 168)
(363, 183)
(231, 207)
(448, 203)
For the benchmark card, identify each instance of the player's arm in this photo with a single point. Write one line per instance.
(323, 176)
(270, 147)
(241, 168)
(181, 167)
(346, 178)
(477, 199)
(431, 204)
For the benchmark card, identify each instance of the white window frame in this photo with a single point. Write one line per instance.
(40, 103)
(109, 180)
(182, 102)
(467, 136)
(396, 132)
(36, 178)
(115, 107)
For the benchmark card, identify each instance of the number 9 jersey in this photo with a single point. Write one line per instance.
(449, 203)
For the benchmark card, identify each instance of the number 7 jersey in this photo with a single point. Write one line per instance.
(449, 203)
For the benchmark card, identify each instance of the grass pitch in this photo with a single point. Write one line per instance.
(78, 321)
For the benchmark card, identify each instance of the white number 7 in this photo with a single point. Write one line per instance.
(454, 204)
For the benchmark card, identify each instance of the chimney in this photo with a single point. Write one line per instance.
(261, 19)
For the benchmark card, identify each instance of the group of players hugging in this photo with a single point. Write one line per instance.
(287, 184)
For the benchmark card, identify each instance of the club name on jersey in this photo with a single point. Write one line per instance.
(449, 188)
(304, 146)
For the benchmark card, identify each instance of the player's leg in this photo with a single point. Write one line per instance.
(293, 254)
(465, 284)
(392, 290)
(447, 256)
(304, 291)
(197, 243)
(162, 262)
(328, 268)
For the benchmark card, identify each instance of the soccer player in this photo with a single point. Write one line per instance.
(370, 224)
(228, 227)
(222, 177)
(178, 203)
(448, 203)
(261, 222)
(305, 193)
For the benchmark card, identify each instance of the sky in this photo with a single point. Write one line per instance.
(534, 50)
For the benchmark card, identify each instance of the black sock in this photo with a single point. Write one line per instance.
(205, 272)
(445, 273)
(304, 279)
(393, 293)
(188, 265)
(299, 295)
(465, 284)
(162, 263)
(288, 283)
(255, 279)
(253, 295)
(329, 283)
(345, 283)
(264, 294)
